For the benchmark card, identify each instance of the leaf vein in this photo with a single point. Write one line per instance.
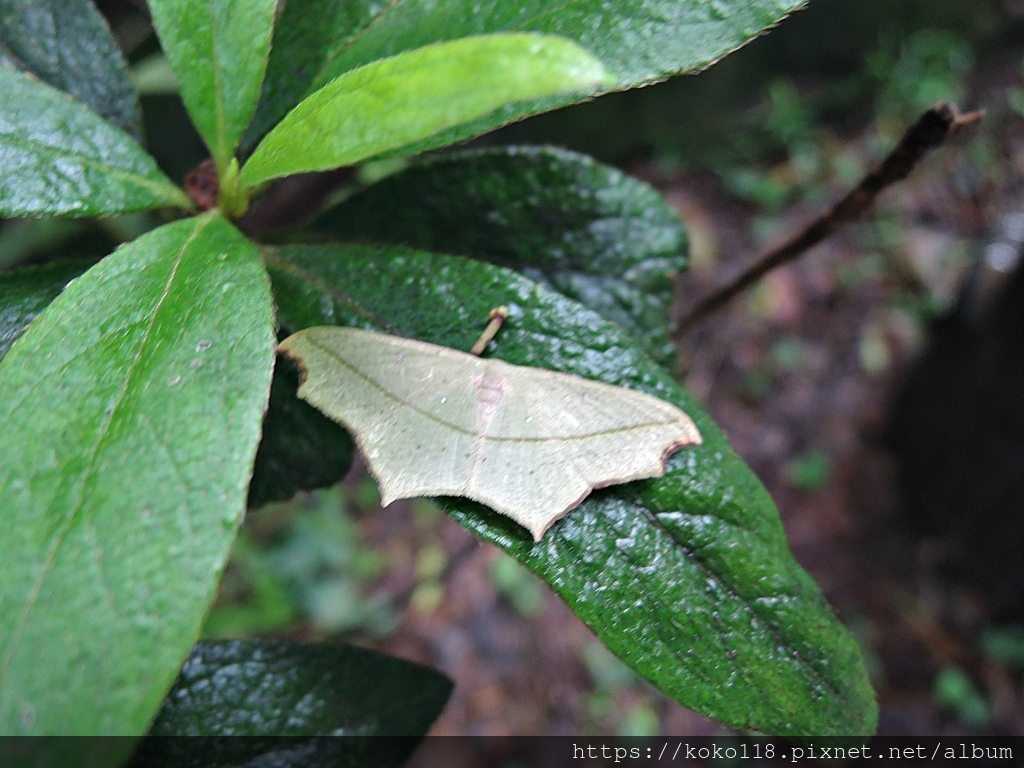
(79, 492)
(35, 146)
(730, 588)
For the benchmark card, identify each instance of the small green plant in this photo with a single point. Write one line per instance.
(928, 67)
(810, 472)
(1005, 645)
(954, 689)
(143, 412)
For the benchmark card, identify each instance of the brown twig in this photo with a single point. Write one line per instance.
(930, 130)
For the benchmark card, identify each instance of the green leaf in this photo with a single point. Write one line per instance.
(131, 415)
(299, 699)
(60, 158)
(218, 49)
(390, 104)
(68, 44)
(585, 229)
(268, 688)
(25, 293)
(638, 41)
(688, 577)
(301, 449)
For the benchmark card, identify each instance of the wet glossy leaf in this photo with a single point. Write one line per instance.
(218, 49)
(688, 577)
(638, 41)
(131, 411)
(60, 158)
(268, 688)
(249, 703)
(585, 229)
(68, 44)
(387, 105)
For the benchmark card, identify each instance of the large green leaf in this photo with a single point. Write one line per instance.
(68, 44)
(390, 104)
(638, 41)
(60, 158)
(218, 50)
(131, 411)
(585, 229)
(688, 577)
(300, 448)
(25, 293)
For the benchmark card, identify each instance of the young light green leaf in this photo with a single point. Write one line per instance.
(389, 104)
(131, 414)
(587, 230)
(686, 577)
(218, 49)
(68, 44)
(527, 442)
(61, 159)
(638, 41)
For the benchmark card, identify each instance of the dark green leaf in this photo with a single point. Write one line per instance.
(587, 230)
(131, 411)
(27, 292)
(266, 688)
(282, 697)
(688, 577)
(638, 41)
(66, 752)
(387, 105)
(60, 158)
(218, 49)
(301, 449)
(67, 44)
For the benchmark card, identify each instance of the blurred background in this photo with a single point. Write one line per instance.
(875, 386)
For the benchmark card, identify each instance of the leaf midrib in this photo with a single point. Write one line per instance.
(163, 189)
(221, 152)
(729, 587)
(79, 492)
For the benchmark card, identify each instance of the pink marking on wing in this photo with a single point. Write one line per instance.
(489, 393)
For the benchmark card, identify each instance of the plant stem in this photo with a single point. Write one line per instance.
(233, 199)
(497, 317)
